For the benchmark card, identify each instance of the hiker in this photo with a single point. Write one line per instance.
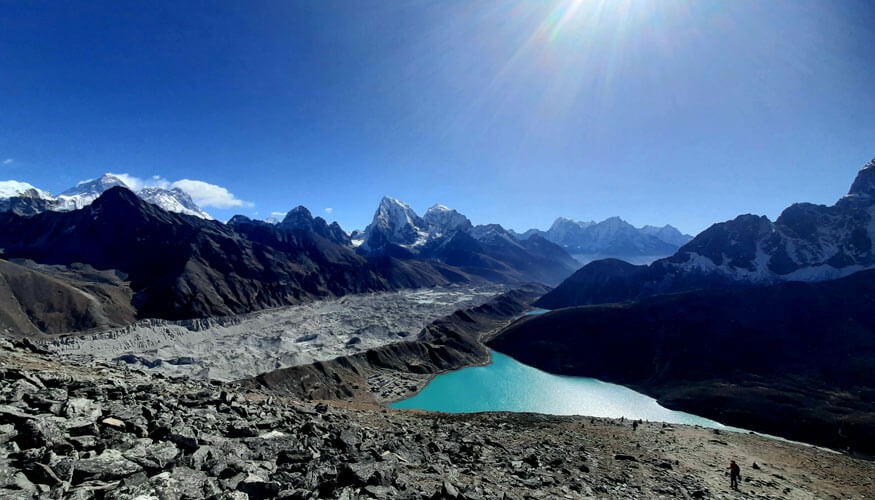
(734, 474)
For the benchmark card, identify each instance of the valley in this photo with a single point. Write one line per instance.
(437, 250)
(236, 347)
(263, 319)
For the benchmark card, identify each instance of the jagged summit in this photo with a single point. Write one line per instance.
(117, 194)
(120, 204)
(173, 200)
(297, 216)
(396, 223)
(667, 233)
(300, 218)
(447, 236)
(808, 243)
(95, 186)
(863, 186)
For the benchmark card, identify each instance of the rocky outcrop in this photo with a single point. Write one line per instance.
(795, 360)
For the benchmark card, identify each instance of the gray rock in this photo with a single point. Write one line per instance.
(21, 483)
(22, 387)
(182, 482)
(185, 437)
(84, 443)
(258, 487)
(7, 433)
(82, 408)
(91, 489)
(373, 473)
(154, 456)
(43, 432)
(42, 473)
(448, 490)
(107, 466)
(12, 414)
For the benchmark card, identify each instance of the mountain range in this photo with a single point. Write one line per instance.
(444, 235)
(807, 242)
(119, 258)
(24, 199)
(612, 237)
(398, 231)
(155, 263)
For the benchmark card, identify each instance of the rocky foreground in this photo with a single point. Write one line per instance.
(93, 430)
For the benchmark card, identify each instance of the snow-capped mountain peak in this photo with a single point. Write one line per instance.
(441, 220)
(396, 212)
(667, 233)
(85, 192)
(10, 189)
(173, 200)
(99, 185)
(394, 222)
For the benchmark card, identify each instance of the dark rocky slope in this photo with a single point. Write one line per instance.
(41, 299)
(400, 369)
(796, 359)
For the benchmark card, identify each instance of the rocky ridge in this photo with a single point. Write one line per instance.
(182, 267)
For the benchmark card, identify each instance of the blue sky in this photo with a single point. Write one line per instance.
(660, 112)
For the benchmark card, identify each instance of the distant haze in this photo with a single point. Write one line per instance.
(662, 112)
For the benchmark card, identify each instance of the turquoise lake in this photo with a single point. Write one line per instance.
(508, 385)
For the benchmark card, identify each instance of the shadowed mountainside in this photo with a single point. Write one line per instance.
(795, 359)
(53, 300)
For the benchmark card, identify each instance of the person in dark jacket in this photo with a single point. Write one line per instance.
(734, 474)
